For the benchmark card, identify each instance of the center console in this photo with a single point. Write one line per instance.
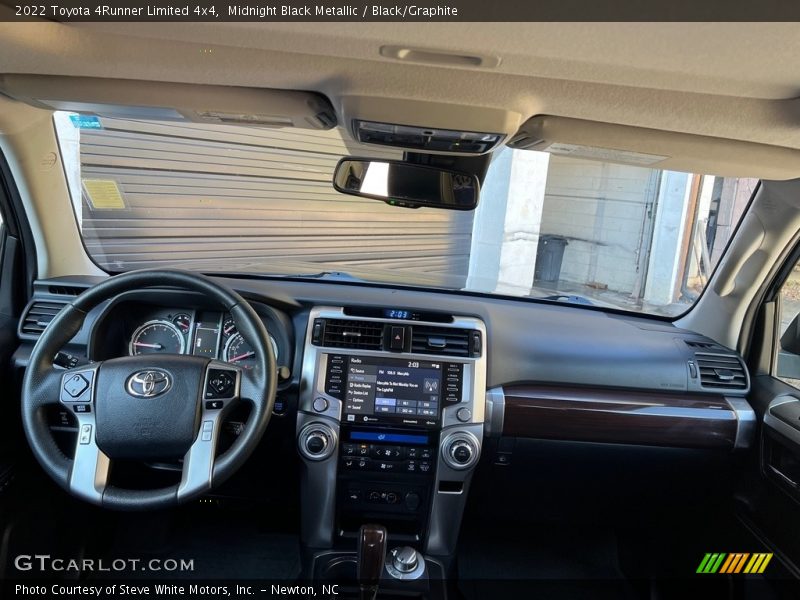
(390, 425)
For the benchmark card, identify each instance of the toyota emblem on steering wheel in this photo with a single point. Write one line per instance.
(148, 384)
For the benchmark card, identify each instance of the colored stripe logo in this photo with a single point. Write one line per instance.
(736, 562)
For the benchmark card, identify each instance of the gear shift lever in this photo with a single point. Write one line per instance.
(371, 557)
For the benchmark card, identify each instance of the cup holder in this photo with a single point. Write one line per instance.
(339, 569)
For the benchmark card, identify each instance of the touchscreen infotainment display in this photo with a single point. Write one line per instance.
(392, 390)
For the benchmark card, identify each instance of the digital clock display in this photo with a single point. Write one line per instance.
(396, 313)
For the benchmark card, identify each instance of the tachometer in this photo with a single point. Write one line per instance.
(157, 336)
(239, 352)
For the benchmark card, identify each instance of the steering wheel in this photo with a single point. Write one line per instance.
(147, 407)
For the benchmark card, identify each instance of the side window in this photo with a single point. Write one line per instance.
(788, 363)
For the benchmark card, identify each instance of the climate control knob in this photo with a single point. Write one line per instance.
(316, 441)
(460, 450)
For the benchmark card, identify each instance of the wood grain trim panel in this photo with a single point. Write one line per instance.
(620, 417)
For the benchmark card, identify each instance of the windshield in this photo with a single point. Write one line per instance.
(225, 198)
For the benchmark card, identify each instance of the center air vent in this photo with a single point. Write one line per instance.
(701, 345)
(721, 371)
(445, 340)
(344, 333)
(37, 316)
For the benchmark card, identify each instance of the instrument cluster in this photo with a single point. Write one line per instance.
(198, 332)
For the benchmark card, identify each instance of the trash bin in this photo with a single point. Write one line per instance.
(549, 257)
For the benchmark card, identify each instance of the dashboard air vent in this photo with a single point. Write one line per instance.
(442, 340)
(37, 316)
(65, 290)
(721, 371)
(698, 345)
(361, 335)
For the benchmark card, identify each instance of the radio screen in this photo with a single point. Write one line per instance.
(392, 390)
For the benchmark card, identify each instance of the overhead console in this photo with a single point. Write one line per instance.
(425, 139)
(428, 127)
(390, 425)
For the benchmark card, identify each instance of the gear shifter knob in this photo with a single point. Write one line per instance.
(371, 557)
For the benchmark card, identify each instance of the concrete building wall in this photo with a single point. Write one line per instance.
(664, 269)
(505, 233)
(603, 210)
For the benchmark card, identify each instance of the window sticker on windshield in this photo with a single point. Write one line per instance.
(604, 154)
(86, 122)
(103, 194)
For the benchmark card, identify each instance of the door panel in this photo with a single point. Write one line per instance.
(768, 497)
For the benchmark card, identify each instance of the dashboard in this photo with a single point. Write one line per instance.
(391, 398)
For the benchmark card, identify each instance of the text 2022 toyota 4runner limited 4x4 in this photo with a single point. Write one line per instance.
(316, 305)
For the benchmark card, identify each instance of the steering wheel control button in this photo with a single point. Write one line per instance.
(85, 435)
(320, 404)
(76, 385)
(214, 404)
(221, 384)
(82, 408)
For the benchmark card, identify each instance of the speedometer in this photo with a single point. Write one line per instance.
(157, 336)
(239, 351)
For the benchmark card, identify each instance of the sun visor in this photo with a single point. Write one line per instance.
(131, 99)
(652, 148)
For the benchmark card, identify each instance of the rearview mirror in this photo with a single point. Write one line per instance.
(402, 184)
